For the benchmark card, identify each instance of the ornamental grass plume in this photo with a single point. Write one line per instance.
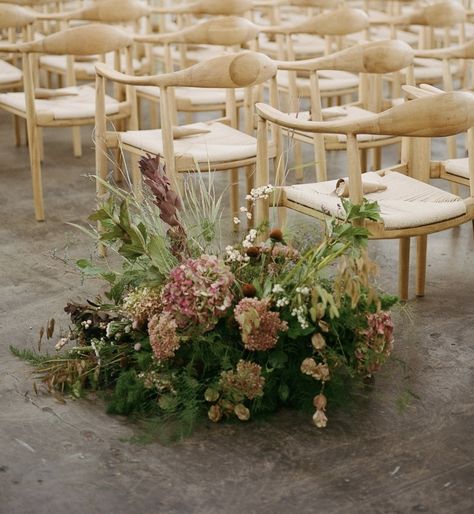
(166, 199)
(164, 340)
(198, 292)
(259, 326)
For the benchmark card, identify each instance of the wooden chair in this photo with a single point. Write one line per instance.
(68, 107)
(185, 15)
(14, 20)
(409, 207)
(228, 33)
(211, 146)
(444, 16)
(371, 62)
(292, 12)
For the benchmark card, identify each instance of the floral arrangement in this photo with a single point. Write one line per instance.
(187, 329)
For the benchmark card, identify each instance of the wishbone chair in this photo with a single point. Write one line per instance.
(67, 107)
(371, 62)
(409, 206)
(229, 33)
(211, 146)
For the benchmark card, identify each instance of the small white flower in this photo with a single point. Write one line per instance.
(236, 221)
(243, 209)
(249, 215)
(277, 289)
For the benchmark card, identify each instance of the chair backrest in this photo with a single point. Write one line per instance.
(210, 7)
(229, 71)
(442, 14)
(223, 30)
(332, 25)
(15, 16)
(373, 57)
(105, 11)
(83, 40)
(340, 22)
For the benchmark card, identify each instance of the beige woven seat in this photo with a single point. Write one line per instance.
(305, 46)
(458, 167)
(330, 81)
(406, 202)
(78, 102)
(83, 69)
(192, 96)
(9, 74)
(221, 144)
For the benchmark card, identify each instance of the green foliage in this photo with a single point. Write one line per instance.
(321, 289)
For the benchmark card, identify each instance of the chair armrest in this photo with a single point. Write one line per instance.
(122, 78)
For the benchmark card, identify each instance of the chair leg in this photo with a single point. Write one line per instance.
(17, 128)
(299, 172)
(35, 163)
(234, 196)
(404, 268)
(40, 140)
(76, 141)
(421, 249)
(363, 159)
(376, 158)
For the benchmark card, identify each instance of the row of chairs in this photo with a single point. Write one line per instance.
(220, 145)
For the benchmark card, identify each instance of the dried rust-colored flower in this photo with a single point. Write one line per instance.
(249, 290)
(164, 340)
(276, 234)
(253, 251)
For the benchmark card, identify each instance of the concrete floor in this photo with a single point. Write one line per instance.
(407, 447)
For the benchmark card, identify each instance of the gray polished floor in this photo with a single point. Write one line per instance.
(407, 447)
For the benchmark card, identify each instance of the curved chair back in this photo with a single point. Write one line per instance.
(84, 40)
(223, 30)
(15, 16)
(210, 7)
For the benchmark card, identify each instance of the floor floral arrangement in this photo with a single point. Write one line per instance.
(188, 329)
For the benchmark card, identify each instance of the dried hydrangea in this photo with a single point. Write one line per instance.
(140, 305)
(164, 339)
(318, 371)
(245, 382)
(259, 326)
(376, 342)
(198, 292)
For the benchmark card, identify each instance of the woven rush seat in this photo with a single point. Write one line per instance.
(193, 95)
(405, 203)
(329, 81)
(305, 46)
(78, 105)
(9, 73)
(459, 167)
(221, 144)
(83, 68)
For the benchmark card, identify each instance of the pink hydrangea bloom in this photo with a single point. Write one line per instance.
(164, 340)
(259, 326)
(376, 342)
(198, 292)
